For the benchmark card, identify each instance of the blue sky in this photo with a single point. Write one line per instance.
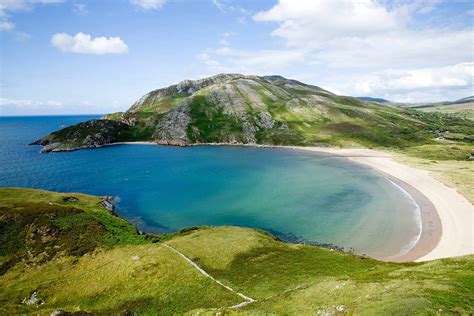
(71, 56)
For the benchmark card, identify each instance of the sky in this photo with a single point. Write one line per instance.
(87, 57)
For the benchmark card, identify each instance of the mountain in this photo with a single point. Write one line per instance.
(434, 104)
(379, 100)
(238, 109)
(465, 100)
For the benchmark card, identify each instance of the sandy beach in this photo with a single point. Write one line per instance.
(447, 217)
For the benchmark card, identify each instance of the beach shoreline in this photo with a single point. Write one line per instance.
(447, 218)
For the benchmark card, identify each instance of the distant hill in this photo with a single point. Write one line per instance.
(370, 99)
(434, 104)
(463, 108)
(464, 100)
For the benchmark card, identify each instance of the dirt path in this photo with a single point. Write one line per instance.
(247, 300)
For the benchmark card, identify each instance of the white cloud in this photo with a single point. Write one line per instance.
(80, 8)
(11, 106)
(452, 77)
(366, 34)
(312, 21)
(6, 25)
(226, 7)
(413, 85)
(220, 5)
(430, 47)
(7, 6)
(84, 44)
(29, 104)
(228, 59)
(364, 47)
(148, 4)
(22, 36)
(12, 6)
(225, 39)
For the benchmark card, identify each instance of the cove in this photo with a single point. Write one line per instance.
(298, 196)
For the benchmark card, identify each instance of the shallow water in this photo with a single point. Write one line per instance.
(296, 195)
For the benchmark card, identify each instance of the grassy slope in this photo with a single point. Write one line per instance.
(336, 121)
(458, 174)
(103, 276)
(284, 278)
(300, 280)
(464, 110)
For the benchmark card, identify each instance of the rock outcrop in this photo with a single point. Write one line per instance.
(94, 133)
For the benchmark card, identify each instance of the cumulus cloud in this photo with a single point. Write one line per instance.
(311, 21)
(148, 4)
(412, 85)
(451, 77)
(366, 33)
(84, 44)
(403, 49)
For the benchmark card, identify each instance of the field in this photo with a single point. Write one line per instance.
(119, 270)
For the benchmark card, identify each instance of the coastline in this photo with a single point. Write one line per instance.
(447, 218)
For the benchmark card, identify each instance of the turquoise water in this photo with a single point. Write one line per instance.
(296, 195)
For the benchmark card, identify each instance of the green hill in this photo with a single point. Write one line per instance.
(237, 109)
(66, 252)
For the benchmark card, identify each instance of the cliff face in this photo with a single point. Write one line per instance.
(233, 108)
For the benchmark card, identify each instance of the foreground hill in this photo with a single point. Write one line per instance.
(67, 252)
(237, 109)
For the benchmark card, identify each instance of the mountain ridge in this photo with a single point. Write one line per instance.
(243, 109)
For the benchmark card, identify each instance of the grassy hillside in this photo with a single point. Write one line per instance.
(117, 270)
(231, 108)
(463, 110)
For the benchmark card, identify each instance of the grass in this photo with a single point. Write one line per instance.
(440, 151)
(300, 280)
(79, 256)
(463, 110)
(457, 174)
(210, 124)
(114, 281)
(163, 105)
(37, 226)
(132, 273)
